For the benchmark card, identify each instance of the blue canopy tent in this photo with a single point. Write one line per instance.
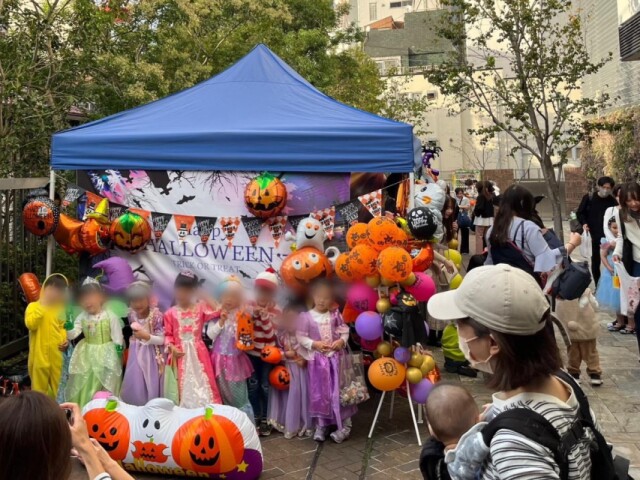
(257, 115)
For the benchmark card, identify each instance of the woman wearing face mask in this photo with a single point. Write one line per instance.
(504, 328)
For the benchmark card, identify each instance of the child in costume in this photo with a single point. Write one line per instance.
(96, 363)
(322, 331)
(265, 311)
(608, 297)
(289, 409)
(231, 365)
(183, 324)
(45, 320)
(143, 377)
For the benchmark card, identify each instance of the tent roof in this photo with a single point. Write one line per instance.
(259, 114)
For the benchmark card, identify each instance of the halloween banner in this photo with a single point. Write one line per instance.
(72, 194)
(294, 220)
(205, 227)
(91, 203)
(146, 214)
(115, 211)
(276, 227)
(184, 224)
(348, 212)
(327, 218)
(229, 227)
(253, 227)
(373, 202)
(160, 222)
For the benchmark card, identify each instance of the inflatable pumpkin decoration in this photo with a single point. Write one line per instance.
(130, 232)
(395, 264)
(357, 234)
(265, 196)
(304, 266)
(210, 443)
(94, 237)
(29, 287)
(68, 234)
(383, 233)
(279, 378)
(40, 216)
(363, 260)
(271, 354)
(110, 429)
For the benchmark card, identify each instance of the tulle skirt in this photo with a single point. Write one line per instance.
(608, 297)
(93, 367)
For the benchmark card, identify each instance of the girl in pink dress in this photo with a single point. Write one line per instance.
(183, 324)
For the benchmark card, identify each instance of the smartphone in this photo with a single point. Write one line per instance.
(69, 414)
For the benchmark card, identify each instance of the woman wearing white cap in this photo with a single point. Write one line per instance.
(504, 327)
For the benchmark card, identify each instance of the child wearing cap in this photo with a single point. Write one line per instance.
(264, 310)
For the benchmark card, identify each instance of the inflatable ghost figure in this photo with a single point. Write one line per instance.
(215, 441)
(310, 233)
(432, 197)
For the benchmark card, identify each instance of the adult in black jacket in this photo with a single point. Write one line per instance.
(590, 214)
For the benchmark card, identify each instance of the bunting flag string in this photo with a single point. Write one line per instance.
(184, 223)
(295, 220)
(160, 221)
(205, 227)
(115, 211)
(229, 228)
(93, 201)
(348, 212)
(72, 194)
(373, 202)
(252, 226)
(276, 227)
(327, 218)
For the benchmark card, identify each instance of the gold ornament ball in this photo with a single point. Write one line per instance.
(411, 279)
(376, 355)
(383, 305)
(384, 349)
(455, 282)
(414, 375)
(373, 281)
(386, 282)
(416, 360)
(428, 364)
(453, 244)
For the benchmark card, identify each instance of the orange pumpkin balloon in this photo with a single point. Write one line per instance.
(357, 234)
(422, 257)
(110, 429)
(394, 263)
(67, 234)
(94, 237)
(403, 239)
(363, 260)
(303, 266)
(40, 216)
(265, 196)
(271, 354)
(29, 287)
(343, 268)
(383, 233)
(210, 443)
(130, 232)
(279, 378)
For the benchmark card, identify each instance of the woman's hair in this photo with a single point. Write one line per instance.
(459, 190)
(516, 201)
(35, 440)
(447, 223)
(611, 221)
(522, 360)
(616, 190)
(186, 279)
(630, 191)
(485, 189)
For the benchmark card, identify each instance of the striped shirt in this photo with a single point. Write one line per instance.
(263, 332)
(513, 456)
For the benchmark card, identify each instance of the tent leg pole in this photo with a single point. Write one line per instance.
(412, 190)
(50, 240)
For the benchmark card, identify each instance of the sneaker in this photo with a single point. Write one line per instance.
(340, 436)
(576, 377)
(264, 430)
(596, 380)
(467, 371)
(320, 435)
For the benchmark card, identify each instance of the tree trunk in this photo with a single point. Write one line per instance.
(553, 189)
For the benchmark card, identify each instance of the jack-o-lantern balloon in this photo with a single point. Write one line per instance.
(94, 237)
(383, 233)
(40, 216)
(344, 270)
(363, 260)
(271, 354)
(357, 234)
(110, 429)
(130, 232)
(210, 443)
(279, 378)
(67, 234)
(303, 266)
(29, 287)
(394, 263)
(422, 257)
(265, 196)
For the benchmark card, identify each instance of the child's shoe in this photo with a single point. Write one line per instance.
(596, 379)
(320, 434)
(264, 430)
(341, 435)
(576, 377)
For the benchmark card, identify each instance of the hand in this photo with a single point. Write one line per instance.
(78, 427)
(337, 345)
(301, 362)
(321, 346)
(177, 353)
(455, 226)
(259, 311)
(106, 461)
(611, 271)
(450, 266)
(616, 259)
(290, 354)
(142, 335)
(223, 318)
(585, 227)
(63, 346)
(576, 239)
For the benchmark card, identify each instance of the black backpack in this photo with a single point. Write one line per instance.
(535, 427)
(572, 282)
(511, 254)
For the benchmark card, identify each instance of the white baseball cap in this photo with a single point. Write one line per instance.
(499, 297)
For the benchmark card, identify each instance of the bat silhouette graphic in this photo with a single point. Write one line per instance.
(244, 275)
(185, 199)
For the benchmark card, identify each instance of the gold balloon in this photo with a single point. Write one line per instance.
(373, 281)
(455, 282)
(411, 279)
(416, 360)
(453, 244)
(384, 349)
(376, 355)
(387, 283)
(414, 375)
(383, 305)
(428, 364)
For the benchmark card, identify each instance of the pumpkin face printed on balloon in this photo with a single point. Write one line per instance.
(304, 266)
(279, 378)
(110, 429)
(130, 232)
(357, 234)
(150, 451)
(211, 444)
(265, 196)
(40, 216)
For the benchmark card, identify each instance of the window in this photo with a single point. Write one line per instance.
(432, 95)
(373, 11)
(403, 3)
(385, 64)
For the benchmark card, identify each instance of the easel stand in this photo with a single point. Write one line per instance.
(413, 413)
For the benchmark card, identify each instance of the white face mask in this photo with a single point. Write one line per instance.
(483, 366)
(604, 192)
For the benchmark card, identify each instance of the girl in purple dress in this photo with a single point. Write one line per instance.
(289, 409)
(322, 331)
(143, 377)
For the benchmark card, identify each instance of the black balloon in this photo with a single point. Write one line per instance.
(422, 223)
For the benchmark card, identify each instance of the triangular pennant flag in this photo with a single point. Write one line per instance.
(160, 221)
(146, 214)
(229, 228)
(92, 203)
(183, 225)
(348, 212)
(115, 211)
(72, 194)
(295, 220)
(253, 227)
(276, 227)
(373, 202)
(205, 227)
(327, 217)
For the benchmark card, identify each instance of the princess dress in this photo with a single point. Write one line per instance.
(196, 382)
(143, 377)
(608, 297)
(96, 363)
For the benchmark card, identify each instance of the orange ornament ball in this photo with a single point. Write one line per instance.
(363, 260)
(383, 233)
(357, 234)
(271, 354)
(395, 264)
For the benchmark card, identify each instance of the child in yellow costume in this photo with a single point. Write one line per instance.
(45, 320)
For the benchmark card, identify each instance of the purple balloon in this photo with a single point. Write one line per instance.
(421, 390)
(369, 326)
(401, 354)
